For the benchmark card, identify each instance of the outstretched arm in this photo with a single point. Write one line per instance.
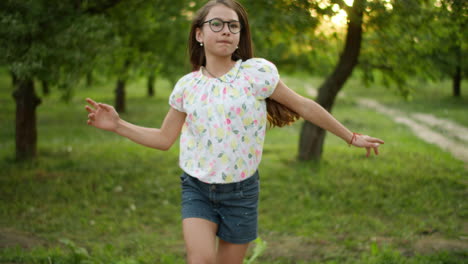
(105, 117)
(315, 113)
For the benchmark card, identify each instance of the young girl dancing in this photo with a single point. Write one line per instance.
(221, 110)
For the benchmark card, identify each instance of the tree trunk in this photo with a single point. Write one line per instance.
(312, 137)
(14, 80)
(45, 88)
(151, 85)
(457, 82)
(89, 79)
(26, 133)
(457, 77)
(120, 96)
(120, 89)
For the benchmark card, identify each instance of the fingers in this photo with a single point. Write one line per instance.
(372, 146)
(91, 102)
(91, 117)
(96, 106)
(89, 109)
(368, 151)
(372, 139)
(375, 140)
(369, 143)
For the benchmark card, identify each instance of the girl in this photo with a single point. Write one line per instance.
(222, 109)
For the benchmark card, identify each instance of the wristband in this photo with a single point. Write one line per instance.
(353, 138)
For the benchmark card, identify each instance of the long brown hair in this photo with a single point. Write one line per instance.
(278, 114)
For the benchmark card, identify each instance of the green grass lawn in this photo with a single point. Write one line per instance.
(94, 197)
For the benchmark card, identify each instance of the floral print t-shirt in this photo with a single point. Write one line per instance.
(223, 134)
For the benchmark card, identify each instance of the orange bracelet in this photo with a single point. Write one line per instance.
(353, 138)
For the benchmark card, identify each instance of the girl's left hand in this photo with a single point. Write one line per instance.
(365, 141)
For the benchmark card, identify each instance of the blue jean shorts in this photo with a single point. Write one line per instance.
(232, 206)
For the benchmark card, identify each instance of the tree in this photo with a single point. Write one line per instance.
(312, 137)
(284, 34)
(453, 17)
(402, 39)
(416, 38)
(151, 36)
(49, 41)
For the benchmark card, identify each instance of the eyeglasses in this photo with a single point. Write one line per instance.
(217, 25)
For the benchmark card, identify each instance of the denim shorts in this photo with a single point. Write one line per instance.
(233, 206)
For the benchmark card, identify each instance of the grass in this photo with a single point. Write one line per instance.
(93, 197)
(426, 97)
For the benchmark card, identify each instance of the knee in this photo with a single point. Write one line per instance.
(198, 258)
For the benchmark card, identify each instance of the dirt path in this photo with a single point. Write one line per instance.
(10, 237)
(446, 134)
(447, 126)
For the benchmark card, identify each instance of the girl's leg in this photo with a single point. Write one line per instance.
(229, 253)
(200, 240)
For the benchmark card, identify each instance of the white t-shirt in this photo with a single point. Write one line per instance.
(223, 134)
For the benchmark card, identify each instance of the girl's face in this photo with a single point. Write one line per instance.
(224, 42)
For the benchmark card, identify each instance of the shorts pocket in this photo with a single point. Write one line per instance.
(250, 191)
(184, 178)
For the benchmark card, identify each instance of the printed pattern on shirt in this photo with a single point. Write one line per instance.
(223, 134)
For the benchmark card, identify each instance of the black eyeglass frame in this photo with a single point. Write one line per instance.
(224, 22)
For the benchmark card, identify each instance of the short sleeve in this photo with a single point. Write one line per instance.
(263, 76)
(176, 99)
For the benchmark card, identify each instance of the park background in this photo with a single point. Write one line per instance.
(72, 194)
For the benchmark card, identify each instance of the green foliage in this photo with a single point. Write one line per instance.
(260, 247)
(287, 35)
(61, 41)
(152, 36)
(78, 254)
(388, 256)
(50, 40)
(413, 38)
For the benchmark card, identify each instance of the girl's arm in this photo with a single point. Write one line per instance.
(315, 113)
(105, 117)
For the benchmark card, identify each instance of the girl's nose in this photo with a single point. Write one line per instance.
(225, 30)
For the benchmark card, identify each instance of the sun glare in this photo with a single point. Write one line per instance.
(340, 18)
(339, 21)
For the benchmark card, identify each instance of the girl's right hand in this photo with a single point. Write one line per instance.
(102, 116)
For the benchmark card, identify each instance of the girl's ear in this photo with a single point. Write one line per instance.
(199, 35)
